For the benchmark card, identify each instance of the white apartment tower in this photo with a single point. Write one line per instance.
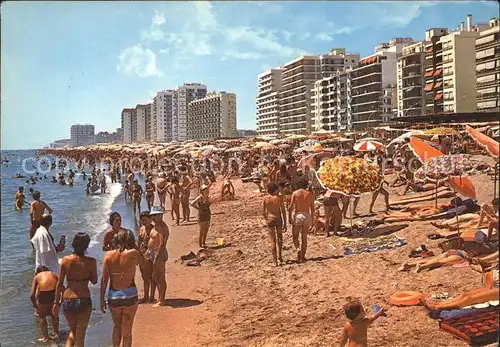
(143, 119)
(82, 135)
(129, 125)
(373, 85)
(185, 94)
(270, 84)
(488, 68)
(212, 117)
(294, 112)
(164, 109)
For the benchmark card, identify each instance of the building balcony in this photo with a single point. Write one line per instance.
(485, 72)
(487, 96)
(369, 102)
(357, 77)
(490, 44)
(366, 84)
(366, 93)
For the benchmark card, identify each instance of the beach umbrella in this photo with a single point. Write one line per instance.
(318, 148)
(349, 176)
(284, 146)
(449, 167)
(407, 135)
(367, 146)
(491, 146)
(441, 131)
(265, 146)
(295, 137)
(303, 149)
(444, 166)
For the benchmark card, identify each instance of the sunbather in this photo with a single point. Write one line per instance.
(490, 214)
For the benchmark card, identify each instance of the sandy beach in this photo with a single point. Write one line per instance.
(246, 301)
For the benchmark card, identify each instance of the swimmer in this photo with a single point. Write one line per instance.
(37, 210)
(20, 199)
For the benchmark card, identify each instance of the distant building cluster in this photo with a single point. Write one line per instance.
(451, 71)
(82, 135)
(185, 113)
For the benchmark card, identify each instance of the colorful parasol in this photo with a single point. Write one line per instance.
(444, 166)
(441, 131)
(490, 145)
(350, 175)
(367, 146)
(407, 135)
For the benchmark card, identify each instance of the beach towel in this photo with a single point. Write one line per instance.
(45, 250)
(357, 246)
(476, 327)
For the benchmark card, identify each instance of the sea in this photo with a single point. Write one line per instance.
(73, 212)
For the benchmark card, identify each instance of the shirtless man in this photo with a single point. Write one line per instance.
(20, 198)
(273, 209)
(157, 253)
(150, 192)
(161, 188)
(186, 183)
(175, 191)
(112, 175)
(126, 190)
(142, 245)
(37, 210)
(136, 196)
(302, 203)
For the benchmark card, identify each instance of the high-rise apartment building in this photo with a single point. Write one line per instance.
(438, 75)
(488, 68)
(143, 119)
(129, 125)
(373, 85)
(331, 102)
(82, 135)
(185, 94)
(212, 117)
(296, 78)
(163, 111)
(270, 84)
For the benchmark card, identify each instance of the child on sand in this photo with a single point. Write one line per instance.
(356, 330)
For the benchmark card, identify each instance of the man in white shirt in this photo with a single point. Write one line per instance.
(45, 249)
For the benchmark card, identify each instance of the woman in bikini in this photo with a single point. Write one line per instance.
(175, 190)
(333, 213)
(109, 242)
(150, 192)
(202, 204)
(118, 268)
(43, 294)
(77, 269)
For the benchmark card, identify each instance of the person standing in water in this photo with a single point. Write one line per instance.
(20, 199)
(157, 252)
(161, 188)
(78, 270)
(109, 241)
(150, 192)
(136, 196)
(43, 294)
(37, 210)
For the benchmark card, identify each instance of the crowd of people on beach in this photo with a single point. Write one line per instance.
(292, 194)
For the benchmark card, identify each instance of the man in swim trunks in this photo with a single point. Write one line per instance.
(186, 183)
(157, 253)
(275, 217)
(174, 189)
(161, 188)
(37, 210)
(142, 245)
(302, 203)
(150, 192)
(136, 196)
(20, 198)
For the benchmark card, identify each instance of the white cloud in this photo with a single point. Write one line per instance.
(323, 37)
(261, 40)
(164, 51)
(399, 14)
(242, 55)
(158, 18)
(138, 60)
(203, 16)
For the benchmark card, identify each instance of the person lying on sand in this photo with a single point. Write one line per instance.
(422, 185)
(490, 213)
(273, 209)
(356, 330)
(465, 221)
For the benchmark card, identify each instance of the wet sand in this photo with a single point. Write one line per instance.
(246, 301)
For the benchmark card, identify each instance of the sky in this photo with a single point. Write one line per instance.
(64, 63)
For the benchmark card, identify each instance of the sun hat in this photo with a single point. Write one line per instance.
(203, 187)
(156, 210)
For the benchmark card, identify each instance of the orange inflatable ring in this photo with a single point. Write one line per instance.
(406, 298)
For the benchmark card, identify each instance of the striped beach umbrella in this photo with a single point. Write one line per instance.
(367, 146)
